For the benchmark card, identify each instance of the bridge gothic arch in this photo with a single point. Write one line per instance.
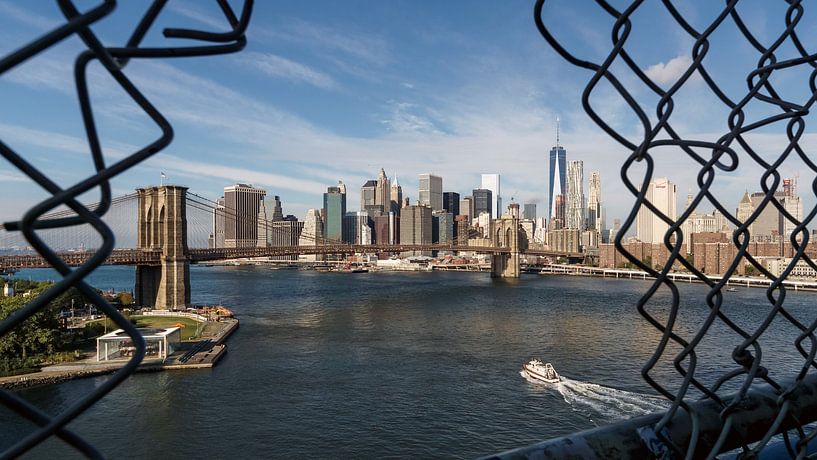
(162, 225)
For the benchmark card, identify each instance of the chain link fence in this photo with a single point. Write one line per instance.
(114, 61)
(753, 399)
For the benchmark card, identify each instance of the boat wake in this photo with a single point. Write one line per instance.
(608, 403)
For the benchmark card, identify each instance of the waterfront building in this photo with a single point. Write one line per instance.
(771, 224)
(564, 240)
(442, 227)
(595, 215)
(285, 234)
(312, 233)
(357, 228)
(416, 225)
(491, 182)
(662, 194)
(556, 185)
(334, 210)
(451, 202)
(701, 223)
(483, 202)
(574, 214)
(529, 211)
(381, 229)
(382, 193)
(431, 191)
(396, 196)
(241, 205)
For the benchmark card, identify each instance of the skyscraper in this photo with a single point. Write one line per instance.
(334, 208)
(277, 211)
(219, 224)
(574, 217)
(483, 202)
(396, 196)
(467, 206)
(595, 218)
(529, 211)
(312, 233)
(415, 225)
(382, 196)
(662, 194)
(451, 202)
(241, 205)
(431, 191)
(556, 186)
(368, 196)
(491, 182)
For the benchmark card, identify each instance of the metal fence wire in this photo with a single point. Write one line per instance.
(113, 60)
(788, 412)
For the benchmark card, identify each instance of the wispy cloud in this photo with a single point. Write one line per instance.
(281, 67)
(368, 47)
(26, 17)
(193, 11)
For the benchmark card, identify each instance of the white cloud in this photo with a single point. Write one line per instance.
(671, 71)
(277, 66)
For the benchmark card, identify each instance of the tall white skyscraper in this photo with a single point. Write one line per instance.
(491, 182)
(595, 217)
(431, 191)
(662, 194)
(574, 214)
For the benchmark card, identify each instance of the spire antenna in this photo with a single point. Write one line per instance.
(557, 131)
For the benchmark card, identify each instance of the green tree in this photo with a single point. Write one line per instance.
(125, 299)
(38, 335)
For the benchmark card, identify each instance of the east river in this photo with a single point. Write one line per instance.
(397, 364)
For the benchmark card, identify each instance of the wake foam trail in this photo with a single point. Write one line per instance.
(608, 402)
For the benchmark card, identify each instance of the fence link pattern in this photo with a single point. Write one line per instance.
(114, 60)
(734, 147)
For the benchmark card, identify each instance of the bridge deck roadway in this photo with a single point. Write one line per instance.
(154, 256)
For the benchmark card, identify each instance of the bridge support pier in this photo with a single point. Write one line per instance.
(162, 225)
(506, 235)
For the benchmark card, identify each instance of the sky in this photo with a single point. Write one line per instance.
(329, 91)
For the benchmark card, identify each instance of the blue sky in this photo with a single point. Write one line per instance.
(337, 90)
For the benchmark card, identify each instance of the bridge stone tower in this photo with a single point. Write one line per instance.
(162, 226)
(506, 234)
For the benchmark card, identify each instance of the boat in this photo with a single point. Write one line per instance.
(538, 370)
(731, 289)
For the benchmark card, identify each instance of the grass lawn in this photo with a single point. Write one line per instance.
(191, 329)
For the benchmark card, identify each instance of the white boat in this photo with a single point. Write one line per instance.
(538, 370)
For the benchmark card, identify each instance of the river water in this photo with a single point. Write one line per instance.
(399, 364)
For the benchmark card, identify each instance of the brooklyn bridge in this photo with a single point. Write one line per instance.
(163, 251)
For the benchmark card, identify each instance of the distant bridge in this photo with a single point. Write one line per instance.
(162, 255)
